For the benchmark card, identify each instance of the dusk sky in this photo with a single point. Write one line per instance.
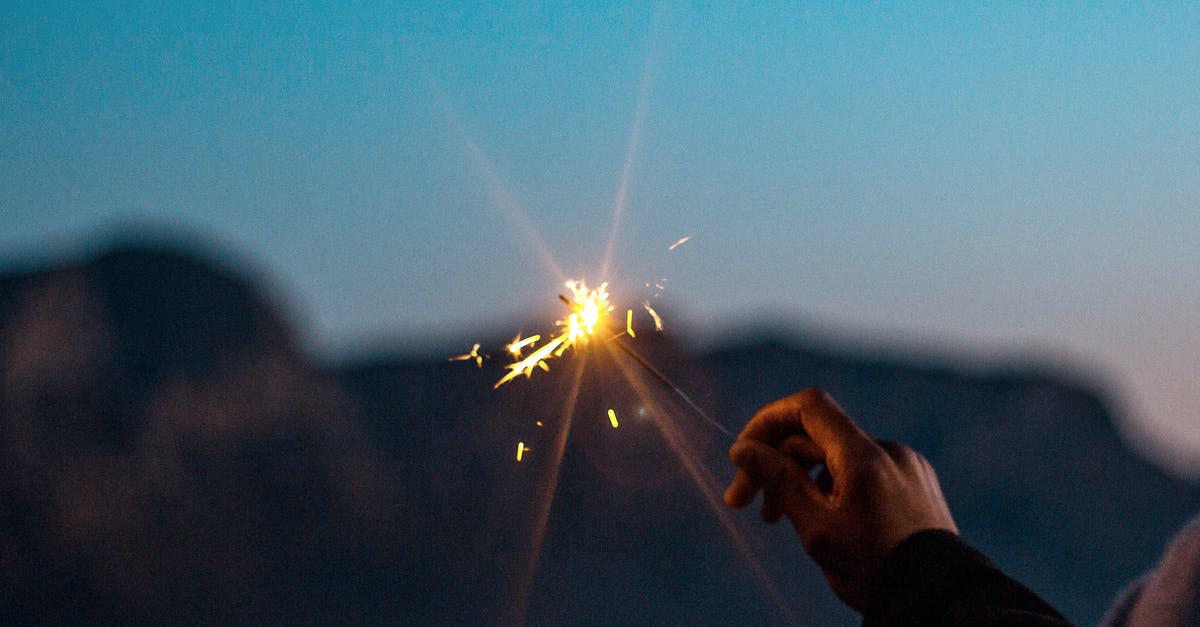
(971, 182)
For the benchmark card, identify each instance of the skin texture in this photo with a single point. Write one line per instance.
(851, 498)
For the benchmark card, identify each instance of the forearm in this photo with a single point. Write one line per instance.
(934, 578)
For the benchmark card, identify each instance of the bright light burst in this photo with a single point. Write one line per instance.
(589, 310)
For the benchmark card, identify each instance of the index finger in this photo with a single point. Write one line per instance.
(811, 412)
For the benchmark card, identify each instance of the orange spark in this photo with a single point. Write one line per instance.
(612, 418)
(471, 356)
(629, 323)
(681, 240)
(521, 450)
(518, 344)
(658, 324)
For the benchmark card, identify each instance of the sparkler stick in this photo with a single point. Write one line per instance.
(674, 388)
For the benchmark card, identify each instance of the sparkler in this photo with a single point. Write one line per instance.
(588, 313)
(587, 309)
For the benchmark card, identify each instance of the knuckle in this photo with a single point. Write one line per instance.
(902, 454)
(905, 454)
(811, 396)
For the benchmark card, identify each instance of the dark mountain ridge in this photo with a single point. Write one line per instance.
(170, 453)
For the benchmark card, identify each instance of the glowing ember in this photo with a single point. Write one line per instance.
(612, 418)
(518, 344)
(681, 240)
(471, 356)
(588, 309)
(629, 323)
(658, 325)
(521, 450)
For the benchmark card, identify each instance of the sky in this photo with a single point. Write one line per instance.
(983, 182)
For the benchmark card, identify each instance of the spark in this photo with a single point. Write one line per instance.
(678, 242)
(521, 450)
(589, 308)
(658, 323)
(612, 418)
(471, 356)
(629, 323)
(517, 345)
(538, 423)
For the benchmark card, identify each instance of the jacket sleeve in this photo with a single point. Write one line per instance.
(935, 579)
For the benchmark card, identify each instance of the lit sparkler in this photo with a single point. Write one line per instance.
(589, 309)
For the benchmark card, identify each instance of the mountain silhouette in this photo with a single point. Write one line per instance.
(170, 453)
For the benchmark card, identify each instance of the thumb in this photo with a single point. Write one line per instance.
(779, 476)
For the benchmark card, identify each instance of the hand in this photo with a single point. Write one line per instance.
(869, 497)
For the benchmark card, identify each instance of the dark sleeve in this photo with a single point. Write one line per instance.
(934, 578)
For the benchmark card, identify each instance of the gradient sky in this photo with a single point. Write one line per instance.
(971, 181)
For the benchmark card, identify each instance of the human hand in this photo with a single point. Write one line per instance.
(870, 496)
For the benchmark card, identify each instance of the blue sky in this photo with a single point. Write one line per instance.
(966, 179)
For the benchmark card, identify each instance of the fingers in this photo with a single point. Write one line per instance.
(802, 449)
(788, 487)
(812, 413)
(743, 488)
(741, 491)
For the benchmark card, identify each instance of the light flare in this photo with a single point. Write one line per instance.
(589, 309)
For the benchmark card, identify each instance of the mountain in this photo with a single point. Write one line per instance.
(168, 453)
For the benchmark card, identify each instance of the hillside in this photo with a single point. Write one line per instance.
(169, 452)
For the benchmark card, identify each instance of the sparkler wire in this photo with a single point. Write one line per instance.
(674, 388)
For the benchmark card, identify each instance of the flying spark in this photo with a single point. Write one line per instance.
(471, 356)
(521, 450)
(680, 241)
(612, 418)
(658, 323)
(517, 345)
